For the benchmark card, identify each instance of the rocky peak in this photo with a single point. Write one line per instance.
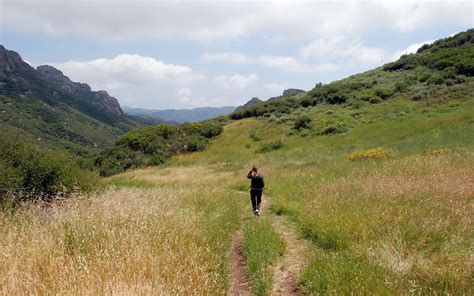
(291, 92)
(56, 77)
(249, 103)
(107, 102)
(100, 99)
(11, 62)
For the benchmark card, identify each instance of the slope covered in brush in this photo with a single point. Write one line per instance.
(49, 107)
(440, 68)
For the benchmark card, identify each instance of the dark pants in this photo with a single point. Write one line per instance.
(256, 197)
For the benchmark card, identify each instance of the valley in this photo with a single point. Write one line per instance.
(369, 190)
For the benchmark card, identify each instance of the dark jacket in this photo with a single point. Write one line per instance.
(257, 182)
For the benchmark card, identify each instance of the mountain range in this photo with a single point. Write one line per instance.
(45, 105)
(179, 115)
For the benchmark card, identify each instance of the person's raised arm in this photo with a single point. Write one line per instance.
(249, 175)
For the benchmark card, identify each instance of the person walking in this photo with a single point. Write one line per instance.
(256, 187)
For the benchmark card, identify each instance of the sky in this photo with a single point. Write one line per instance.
(185, 54)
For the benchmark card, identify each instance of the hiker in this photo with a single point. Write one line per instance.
(256, 188)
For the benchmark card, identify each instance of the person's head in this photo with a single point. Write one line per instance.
(255, 169)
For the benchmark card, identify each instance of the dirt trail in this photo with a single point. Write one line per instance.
(239, 284)
(287, 268)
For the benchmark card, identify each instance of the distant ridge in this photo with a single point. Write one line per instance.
(100, 99)
(249, 103)
(286, 93)
(47, 106)
(181, 115)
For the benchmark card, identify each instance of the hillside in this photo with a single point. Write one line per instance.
(437, 70)
(48, 107)
(368, 191)
(181, 115)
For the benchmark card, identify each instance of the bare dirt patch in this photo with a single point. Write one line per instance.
(291, 264)
(239, 284)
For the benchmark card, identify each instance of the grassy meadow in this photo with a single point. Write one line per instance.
(396, 221)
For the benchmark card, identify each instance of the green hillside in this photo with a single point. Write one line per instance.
(437, 73)
(48, 114)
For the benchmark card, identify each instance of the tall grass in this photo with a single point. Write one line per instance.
(392, 226)
(170, 239)
(395, 225)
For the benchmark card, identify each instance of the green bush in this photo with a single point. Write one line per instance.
(195, 143)
(28, 172)
(437, 78)
(271, 146)
(155, 144)
(375, 100)
(254, 137)
(383, 93)
(333, 129)
(302, 122)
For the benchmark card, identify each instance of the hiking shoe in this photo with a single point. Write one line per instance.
(257, 212)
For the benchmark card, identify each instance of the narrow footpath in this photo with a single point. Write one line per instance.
(286, 269)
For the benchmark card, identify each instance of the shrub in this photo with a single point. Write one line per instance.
(333, 129)
(436, 79)
(155, 144)
(254, 137)
(375, 153)
(383, 93)
(465, 68)
(401, 86)
(271, 146)
(30, 173)
(375, 100)
(424, 76)
(438, 151)
(195, 143)
(302, 122)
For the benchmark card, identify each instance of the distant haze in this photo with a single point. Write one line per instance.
(181, 115)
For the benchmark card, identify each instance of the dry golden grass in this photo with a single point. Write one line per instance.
(413, 216)
(163, 240)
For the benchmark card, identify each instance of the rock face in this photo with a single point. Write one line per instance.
(291, 92)
(288, 93)
(11, 62)
(100, 99)
(251, 102)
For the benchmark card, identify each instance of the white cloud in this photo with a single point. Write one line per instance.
(226, 57)
(147, 82)
(235, 81)
(184, 92)
(127, 69)
(211, 20)
(282, 62)
(342, 48)
(412, 48)
(275, 88)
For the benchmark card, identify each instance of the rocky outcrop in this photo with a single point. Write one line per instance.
(288, 93)
(11, 62)
(291, 92)
(251, 102)
(100, 99)
(58, 79)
